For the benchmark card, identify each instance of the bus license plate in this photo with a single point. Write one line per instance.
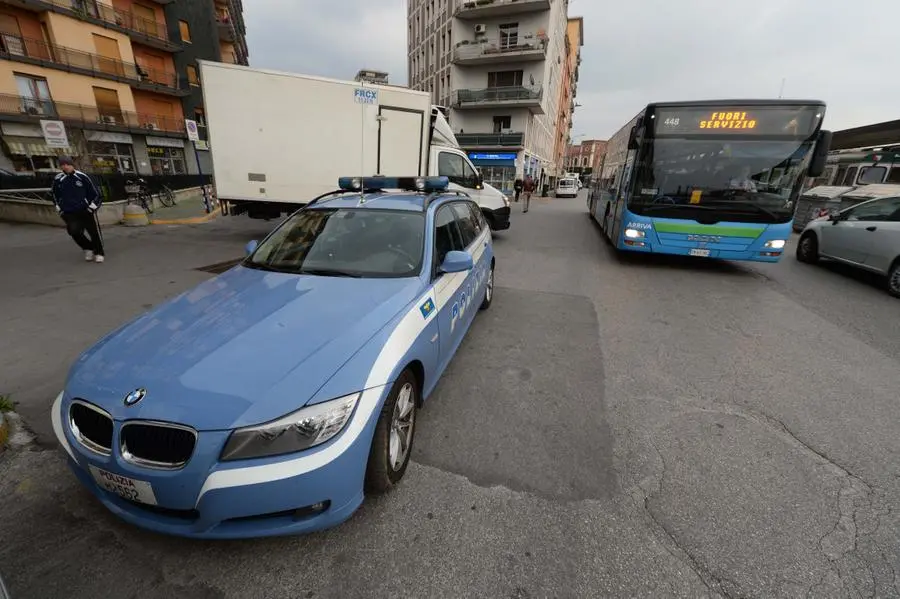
(698, 252)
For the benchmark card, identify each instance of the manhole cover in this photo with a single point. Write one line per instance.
(220, 267)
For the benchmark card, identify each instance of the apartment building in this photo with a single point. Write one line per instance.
(499, 66)
(568, 88)
(585, 158)
(120, 74)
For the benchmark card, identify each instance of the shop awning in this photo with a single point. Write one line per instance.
(30, 146)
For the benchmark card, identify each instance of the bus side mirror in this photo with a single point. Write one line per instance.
(820, 154)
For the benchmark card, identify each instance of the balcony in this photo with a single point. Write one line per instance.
(471, 10)
(501, 97)
(144, 31)
(40, 53)
(19, 108)
(491, 141)
(226, 29)
(523, 48)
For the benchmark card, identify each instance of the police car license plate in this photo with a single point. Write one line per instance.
(698, 252)
(123, 486)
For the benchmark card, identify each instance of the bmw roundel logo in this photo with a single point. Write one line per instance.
(135, 396)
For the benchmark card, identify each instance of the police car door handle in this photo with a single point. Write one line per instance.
(872, 228)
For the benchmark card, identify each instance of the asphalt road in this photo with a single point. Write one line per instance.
(613, 426)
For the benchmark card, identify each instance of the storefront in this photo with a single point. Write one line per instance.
(497, 168)
(25, 151)
(166, 156)
(110, 152)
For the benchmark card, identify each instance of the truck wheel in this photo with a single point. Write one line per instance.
(808, 249)
(488, 291)
(394, 433)
(893, 279)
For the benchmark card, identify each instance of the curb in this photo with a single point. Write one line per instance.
(192, 220)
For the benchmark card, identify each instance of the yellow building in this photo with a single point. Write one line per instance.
(119, 74)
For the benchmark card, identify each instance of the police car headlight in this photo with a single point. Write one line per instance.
(305, 428)
(634, 234)
(775, 244)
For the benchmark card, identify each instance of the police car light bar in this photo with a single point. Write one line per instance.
(426, 184)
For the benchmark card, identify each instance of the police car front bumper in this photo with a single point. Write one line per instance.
(183, 503)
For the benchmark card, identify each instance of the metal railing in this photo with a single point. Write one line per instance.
(36, 187)
(95, 116)
(14, 46)
(524, 42)
(490, 139)
(127, 20)
(499, 94)
(466, 5)
(226, 27)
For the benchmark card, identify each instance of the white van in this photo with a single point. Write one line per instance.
(279, 139)
(567, 188)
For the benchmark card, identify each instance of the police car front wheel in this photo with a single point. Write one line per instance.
(394, 434)
(488, 290)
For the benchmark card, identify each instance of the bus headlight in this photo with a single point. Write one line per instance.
(775, 244)
(634, 234)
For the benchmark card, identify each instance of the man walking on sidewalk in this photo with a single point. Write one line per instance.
(77, 202)
(527, 190)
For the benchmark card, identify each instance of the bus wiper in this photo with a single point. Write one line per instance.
(329, 272)
(654, 207)
(759, 208)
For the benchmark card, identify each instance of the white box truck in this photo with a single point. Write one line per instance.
(278, 139)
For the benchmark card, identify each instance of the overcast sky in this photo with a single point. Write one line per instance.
(635, 51)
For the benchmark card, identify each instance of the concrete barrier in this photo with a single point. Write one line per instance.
(43, 212)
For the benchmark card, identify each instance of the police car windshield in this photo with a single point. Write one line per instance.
(345, 242)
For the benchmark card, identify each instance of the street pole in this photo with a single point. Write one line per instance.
(202, 182)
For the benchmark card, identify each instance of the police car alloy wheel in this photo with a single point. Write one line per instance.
(394, 435)
(488, 290)
(894, 279)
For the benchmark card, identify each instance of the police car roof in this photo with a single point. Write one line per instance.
(382, 200)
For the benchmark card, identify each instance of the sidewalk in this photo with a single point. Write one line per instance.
(187, 211)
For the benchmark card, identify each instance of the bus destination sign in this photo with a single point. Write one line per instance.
(761, 120)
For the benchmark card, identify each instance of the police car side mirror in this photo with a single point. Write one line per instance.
(457, 261)
(251, 247)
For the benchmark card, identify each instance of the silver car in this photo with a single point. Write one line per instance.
(866, 236)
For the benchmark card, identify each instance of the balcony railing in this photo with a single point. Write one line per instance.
(494, 95)
(490, 140)
(473, 9)
(525, 46)
(226, 29)
(153, 30)
(91, 117)
(40, 52)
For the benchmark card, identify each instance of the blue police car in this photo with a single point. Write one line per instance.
(269, 399)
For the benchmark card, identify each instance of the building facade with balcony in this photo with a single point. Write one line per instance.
(498, 65)
(112, 71)
(568, 89)
(585, 158)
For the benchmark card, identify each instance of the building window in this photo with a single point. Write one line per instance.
(509, 35)
(185, 30)
(505, 78)
(35, 95)
(193, 79)
(105, 157)
(108, 108)
(166, 161)
(501, 123)
(200, 117)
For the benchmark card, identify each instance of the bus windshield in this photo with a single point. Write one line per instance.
(712, 180)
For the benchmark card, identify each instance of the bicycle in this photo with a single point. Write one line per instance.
(137, 189)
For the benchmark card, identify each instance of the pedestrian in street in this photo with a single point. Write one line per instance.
(517, 187)
(77, 202)
(527, 190)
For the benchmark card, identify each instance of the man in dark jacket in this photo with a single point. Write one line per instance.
(527, 189)
(77, 202)
(517, 187)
